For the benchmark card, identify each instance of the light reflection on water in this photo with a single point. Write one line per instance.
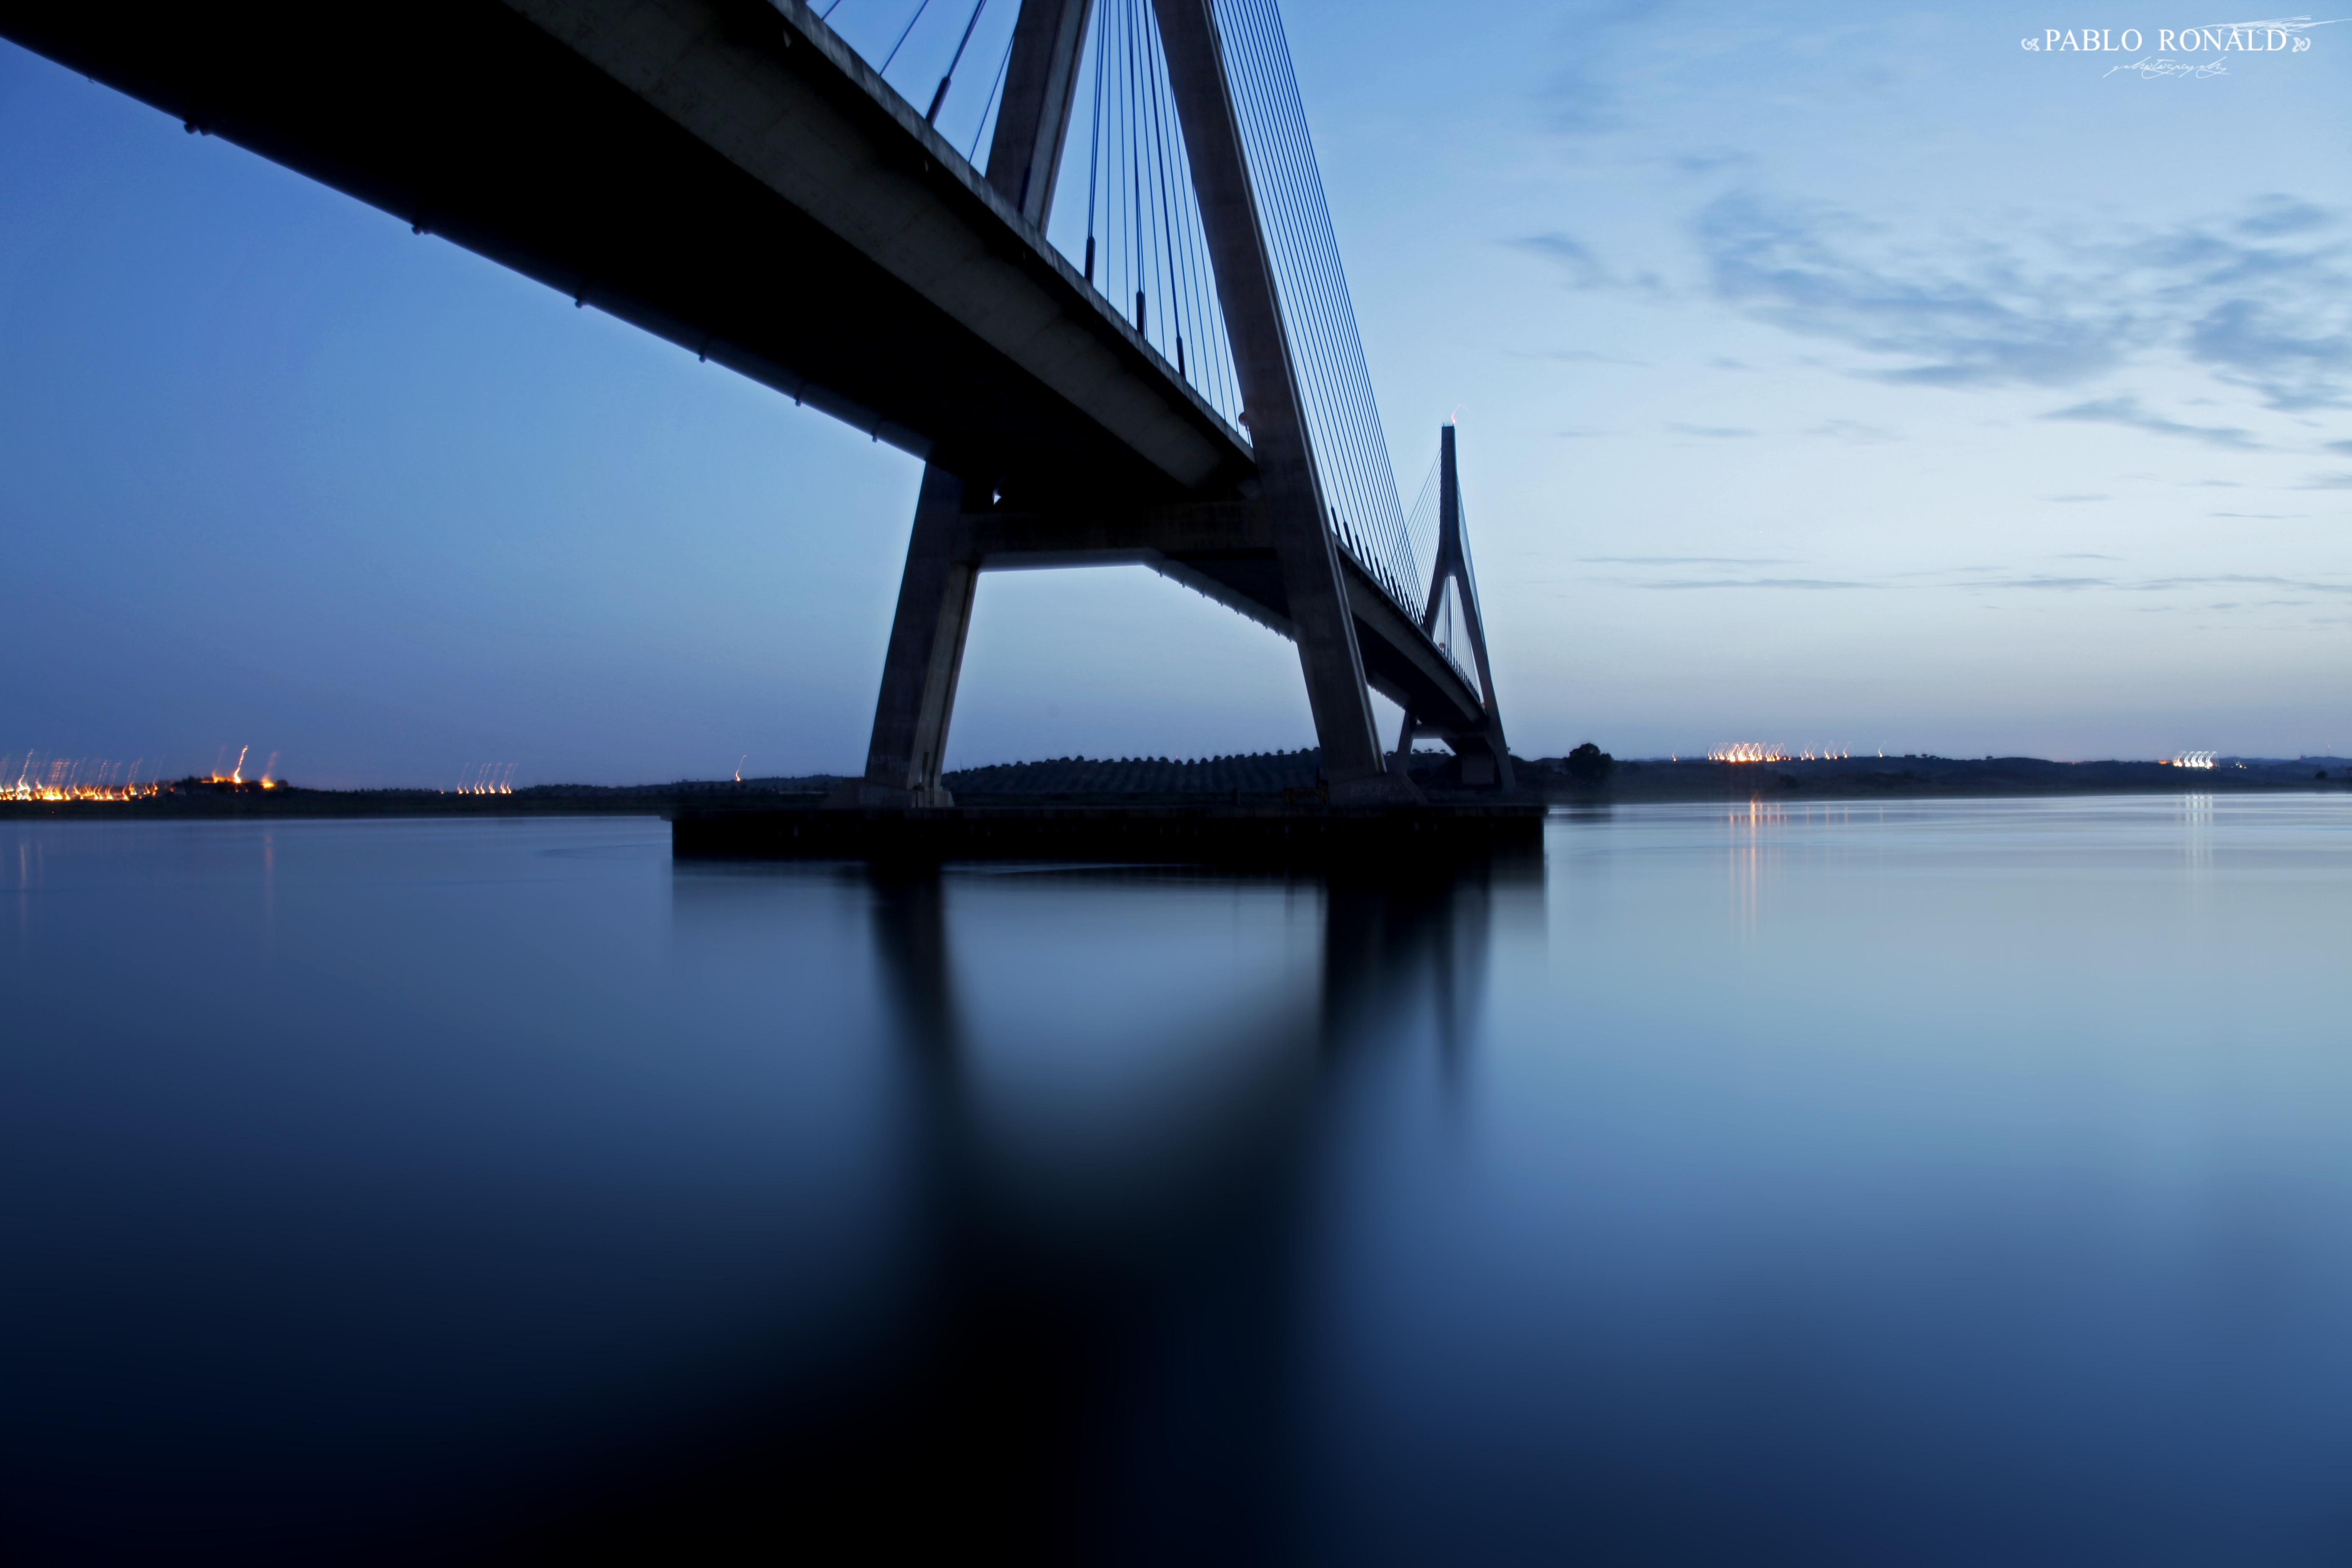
(1853, 1183)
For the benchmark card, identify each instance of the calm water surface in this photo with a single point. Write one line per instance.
(1962, 1182)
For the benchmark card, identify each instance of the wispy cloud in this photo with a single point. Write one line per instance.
(1583, 356)
(2276, 214)
(2263, 301)
(2037, 583)
(2340, 480)
(2260, 299)
(2126, 411)
(1582, 266)
(2256, 343)
(2085, 495)
(1713, 160)
(1808, 269)
(1801, 582)
(1713, 432)
(1683, 561)
(1976, 580)
(1850, 430)
(1571, 256)
(2302, 584)
(1583, 94)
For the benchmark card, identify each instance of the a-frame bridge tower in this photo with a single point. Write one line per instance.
(1453, 605)
(962, 527)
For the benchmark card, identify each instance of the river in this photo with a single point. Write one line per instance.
(1947, 1181)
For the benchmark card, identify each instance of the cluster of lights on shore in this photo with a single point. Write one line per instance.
(1760, 752)
(87, 778)
(76, 778)
(84, 778)
(490, 778)
(1756, 751)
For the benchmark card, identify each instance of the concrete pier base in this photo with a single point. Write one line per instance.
(1358, 839)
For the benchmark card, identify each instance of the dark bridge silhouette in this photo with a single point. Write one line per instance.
(730, 175)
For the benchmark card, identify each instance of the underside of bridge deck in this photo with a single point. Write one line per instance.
(722, 173)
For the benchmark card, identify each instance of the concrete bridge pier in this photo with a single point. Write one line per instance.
(918, 674)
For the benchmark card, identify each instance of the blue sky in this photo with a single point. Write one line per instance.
(1827, 374)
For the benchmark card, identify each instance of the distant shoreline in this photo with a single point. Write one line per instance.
(1928, 777)
(1285, 778)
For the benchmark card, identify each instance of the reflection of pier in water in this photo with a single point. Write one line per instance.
(1095, 1353)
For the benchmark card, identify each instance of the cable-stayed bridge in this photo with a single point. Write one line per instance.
(1184, 387)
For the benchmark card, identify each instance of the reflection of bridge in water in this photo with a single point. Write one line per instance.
(1092, 1349)
(729, 174)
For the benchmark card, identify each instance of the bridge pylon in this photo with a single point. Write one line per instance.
(1485, 757)
(1283, 507)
